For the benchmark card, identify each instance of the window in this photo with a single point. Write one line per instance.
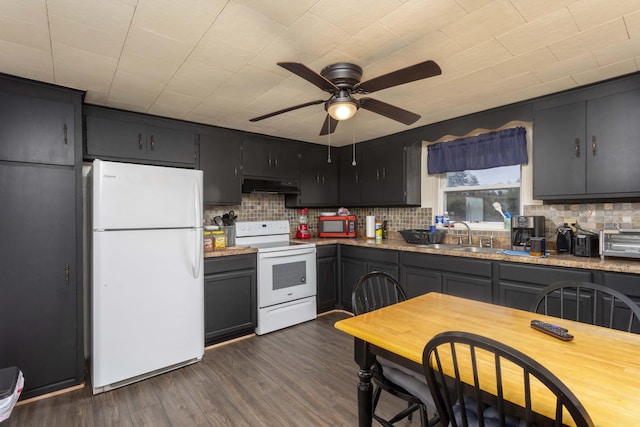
(470, 195)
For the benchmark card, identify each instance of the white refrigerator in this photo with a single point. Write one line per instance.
(147, 275)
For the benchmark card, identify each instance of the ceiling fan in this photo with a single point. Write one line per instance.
(342, 81)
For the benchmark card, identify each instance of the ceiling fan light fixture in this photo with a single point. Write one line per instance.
(342, 107)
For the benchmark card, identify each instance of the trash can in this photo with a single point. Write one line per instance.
(11, 384)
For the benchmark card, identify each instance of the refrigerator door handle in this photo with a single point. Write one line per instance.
(197, 254)
(197, 203)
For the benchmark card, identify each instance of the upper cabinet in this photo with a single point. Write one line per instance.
(36, 130)
(120, 135)
(318, 178)
(267, 157)
(587, 142)
(387, 173)
(220, 161)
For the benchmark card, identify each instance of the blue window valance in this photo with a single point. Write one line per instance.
(489, 150)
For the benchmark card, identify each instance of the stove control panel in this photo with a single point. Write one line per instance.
(261, 228)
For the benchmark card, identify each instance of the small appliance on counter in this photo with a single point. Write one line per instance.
(585, 243)
(564, 239)
(303, 224)
(523, 228)
(620, 243)
(333, 225)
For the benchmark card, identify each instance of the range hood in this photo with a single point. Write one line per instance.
(270, 185)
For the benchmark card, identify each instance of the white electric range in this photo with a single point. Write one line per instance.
(286, 274)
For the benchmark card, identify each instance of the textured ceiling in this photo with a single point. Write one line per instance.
(214, 62)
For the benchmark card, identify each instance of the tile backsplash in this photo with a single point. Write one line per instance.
(590, 216)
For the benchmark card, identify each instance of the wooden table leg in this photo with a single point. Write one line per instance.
(365, 360)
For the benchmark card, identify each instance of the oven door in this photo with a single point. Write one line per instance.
(286, 275)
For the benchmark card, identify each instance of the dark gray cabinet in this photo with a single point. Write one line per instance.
(36, 130)
(221, 164)
(41, 318)
(230, 297)
(519, 284)
(586, 144)
(357, 261)
(463, 277)
(387, 173)
(139, 138)
(266, 157)
(327, 277)
(318, 178)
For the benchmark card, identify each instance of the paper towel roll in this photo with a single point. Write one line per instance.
(370, 227)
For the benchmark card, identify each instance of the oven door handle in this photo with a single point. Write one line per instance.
(287, 253)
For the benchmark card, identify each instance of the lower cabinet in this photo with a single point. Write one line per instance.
(519, 284)
(230, 297)
(356, 261)
(463, 277)
(327, 277)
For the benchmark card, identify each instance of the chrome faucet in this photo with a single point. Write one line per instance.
(468, 229)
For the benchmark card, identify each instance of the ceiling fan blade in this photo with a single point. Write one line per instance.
(405, 75)
(286, 110)
(328, 121)
(309, 75)
(388, 110)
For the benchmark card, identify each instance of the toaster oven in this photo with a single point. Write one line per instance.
(620, 243)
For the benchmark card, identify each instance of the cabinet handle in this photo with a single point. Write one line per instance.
(577, 147)
(593, 145)
(384, 174)
(66, 273)
(64, 132)
(235, 169)
(276, 161)
(357, 178)
(153, 143)
(140, 141)
(269, 160)
(323, 179)
(317, 177)
(377, 174)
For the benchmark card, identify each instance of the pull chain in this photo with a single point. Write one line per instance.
(329, 133)
(353, 162)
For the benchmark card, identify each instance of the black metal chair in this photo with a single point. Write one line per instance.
(373, 291)
(588, 303)
(458, 395)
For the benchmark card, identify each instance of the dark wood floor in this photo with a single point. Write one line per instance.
(300, 376)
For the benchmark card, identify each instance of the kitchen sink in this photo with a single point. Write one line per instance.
(475, 249)
(439, 246)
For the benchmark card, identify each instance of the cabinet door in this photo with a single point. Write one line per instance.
(284, 160)
(256, 156)
(348, 178)
(220, 161)
(327, 275)
(559, 151)
(419, 281)
(383, 174)
(230, 305)
(39, 303)
(318, 178)
(351, 271)
(171, 145)
(467, 287)
(613, 145)
(115, 138)
(36, 130)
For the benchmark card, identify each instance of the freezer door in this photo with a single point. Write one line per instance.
(128, 196)
(147, 302)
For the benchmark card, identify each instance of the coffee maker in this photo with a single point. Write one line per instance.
(523, 228)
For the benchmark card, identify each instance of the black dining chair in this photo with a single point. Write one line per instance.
(373, 291)
(588, 303)
(452, 368)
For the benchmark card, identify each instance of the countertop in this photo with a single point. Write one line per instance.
(621, 265)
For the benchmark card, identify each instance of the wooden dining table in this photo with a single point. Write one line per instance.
(600, 366)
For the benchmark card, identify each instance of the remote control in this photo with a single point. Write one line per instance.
(553, 330)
